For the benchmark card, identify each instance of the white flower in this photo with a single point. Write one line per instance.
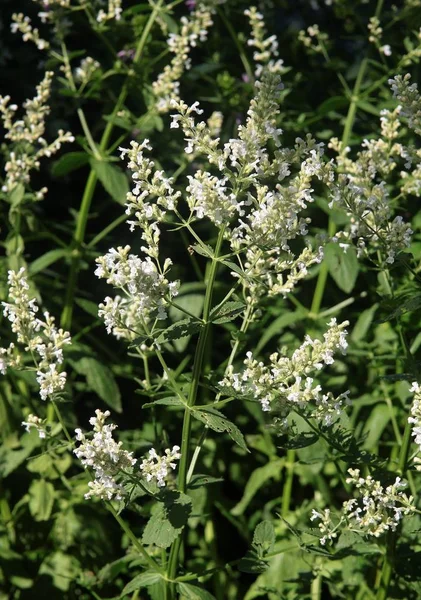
(157, 467)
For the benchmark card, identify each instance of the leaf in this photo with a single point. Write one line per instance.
(278, 325)
(179, 330)
(398, 306)
(203, 250)
(168, 520)
(69, 162)
(363, 324)
(193, 592)
(41, 499)
(257, 479)
(227, 312)
(193, 303)
(264, 536)
(369, 108)
(333, 103)
(46, 260)
(144, 580)
(100, 380)
(343, 266)
(375, 424)
(215, 420)
(12, 459)
(199, 480)
(171, 401)
(17, 194)
(112, 178)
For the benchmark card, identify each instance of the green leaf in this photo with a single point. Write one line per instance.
(343, 266)
(363, 324)
(12, 459)
(100, 380)
(257, 479)
(216, 421)
(144, 580)
(203, 250)
(369, 108)
(168, 520)
(46, 260)
(278, 325)
(179, 330)
(112, 178)
(193, 303)
(264, 536)
(17, 194)
(227, 312)
(188, 591)
(41, 499)
(69, 162)
(171, 401)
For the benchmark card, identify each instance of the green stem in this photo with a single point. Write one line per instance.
(287, 489)
(192, 397)
(151, 562)
(79, 235)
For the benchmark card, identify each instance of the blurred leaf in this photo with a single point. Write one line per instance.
(278, 325)
(47, 259)
(69, 162)
(41, 499)
(363, 324)
(112, 178)
(144, 580)
(257, 479)
(343, 266)
(100, 380)
(188, 591)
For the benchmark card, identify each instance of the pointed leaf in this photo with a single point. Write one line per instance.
(215, 420)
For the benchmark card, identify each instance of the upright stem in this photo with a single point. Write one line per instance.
(79, 235)
(191, 400)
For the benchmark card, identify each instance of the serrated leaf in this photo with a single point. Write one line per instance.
(257, 479)
(100, 380)
(112, 178)
(179, 330)
(168, 520)
(216, 421)
(189, 591)
(69, 162)
(140, 581)
(399, 306)
(203, 250)
(41, 499)
(47, 259)
(264, 536)
(343, 266)
(227, 312)
(172, 401)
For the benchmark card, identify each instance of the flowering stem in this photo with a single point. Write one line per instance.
(192, 397)
(79, 235)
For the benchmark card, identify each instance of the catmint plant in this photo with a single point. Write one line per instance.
(225, 403)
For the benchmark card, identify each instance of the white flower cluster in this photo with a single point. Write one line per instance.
(286, 382)
(409, 98)
(35, 422)
(313, 39)
(28, 145)
(22, 24)
(105, 456)
(375, 511)
(361, 190)
(87, 69)
(40, 338)
(146, 290)
(113, 11)
(267, 48)
(193, 30)
(157, 467)
(415, 419)
(260, 220)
